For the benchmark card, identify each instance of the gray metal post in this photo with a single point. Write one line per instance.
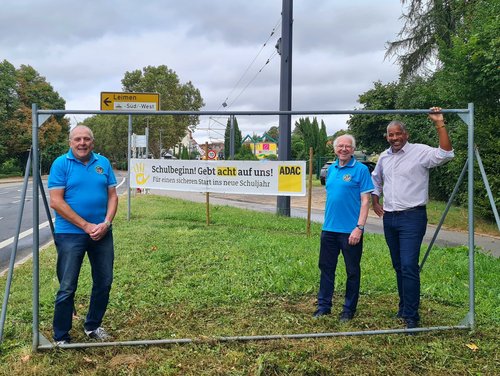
(285, 126)
(36, 235)
(46, 205)
(488, 188)
(14, 246)
(231, 137)
(147, 140)
(470, 155)
(129, 148)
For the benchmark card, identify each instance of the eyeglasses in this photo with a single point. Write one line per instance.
(343, 147)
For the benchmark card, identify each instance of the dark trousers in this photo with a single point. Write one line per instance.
(71, 249)
(404, 232)
(331, 245)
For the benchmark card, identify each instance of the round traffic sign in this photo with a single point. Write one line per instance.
(211, 154)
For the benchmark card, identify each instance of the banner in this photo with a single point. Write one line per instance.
(278, 178)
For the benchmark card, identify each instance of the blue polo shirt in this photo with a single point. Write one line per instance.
(344, 186)
(85, 188)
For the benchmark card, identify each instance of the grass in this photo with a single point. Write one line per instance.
(252, 273)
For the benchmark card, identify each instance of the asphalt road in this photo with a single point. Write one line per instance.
(10, 204)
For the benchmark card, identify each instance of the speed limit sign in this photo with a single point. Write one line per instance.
(211, 154)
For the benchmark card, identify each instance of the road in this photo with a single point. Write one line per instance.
(10, 204)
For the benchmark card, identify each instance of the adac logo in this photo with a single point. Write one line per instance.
(99, 170)
(347, 177)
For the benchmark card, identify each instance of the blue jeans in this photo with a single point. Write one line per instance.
(331, 245)
(404, 232)
(71, 249)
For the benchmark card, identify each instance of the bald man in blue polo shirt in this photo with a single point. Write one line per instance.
(348, 187)
(82, 189)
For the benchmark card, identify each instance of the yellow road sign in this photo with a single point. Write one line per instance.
(112, 101)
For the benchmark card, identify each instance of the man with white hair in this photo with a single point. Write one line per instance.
(348, 187)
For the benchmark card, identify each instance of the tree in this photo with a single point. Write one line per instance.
(245, 154)
(429, 25)
(369, 130)
(274, 132)
(20, 88)
(227, 138)
(173, 96)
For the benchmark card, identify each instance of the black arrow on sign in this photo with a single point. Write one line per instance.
(107, 102)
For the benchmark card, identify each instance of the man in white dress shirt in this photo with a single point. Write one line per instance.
(401, 177)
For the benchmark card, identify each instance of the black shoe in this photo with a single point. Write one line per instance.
(411, 324)
(321, 312)
(346, 316)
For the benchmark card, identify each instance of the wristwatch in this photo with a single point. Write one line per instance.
(361, 227)
(107, 223)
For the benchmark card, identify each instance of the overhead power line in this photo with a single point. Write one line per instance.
(224, 103)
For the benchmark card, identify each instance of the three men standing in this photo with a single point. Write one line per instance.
(82, 189)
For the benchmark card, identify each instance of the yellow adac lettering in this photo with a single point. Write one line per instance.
(290, 170)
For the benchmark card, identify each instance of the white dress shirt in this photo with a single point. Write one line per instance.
(402, 178)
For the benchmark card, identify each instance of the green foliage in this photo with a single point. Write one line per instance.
(307, 134)
(110, 133)
(9, 167)
(465, 38)
(428, 27)
(369, 130)
(245, 154)
(19, 89)
(165, 131)
(227, 138)
(274, 132)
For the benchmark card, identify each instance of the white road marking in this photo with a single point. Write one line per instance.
(23, 234)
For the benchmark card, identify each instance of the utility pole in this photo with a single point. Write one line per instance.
(231, 138)
(285, 121)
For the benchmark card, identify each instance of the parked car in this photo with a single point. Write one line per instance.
(324, 169)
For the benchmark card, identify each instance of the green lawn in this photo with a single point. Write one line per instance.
(252, 273)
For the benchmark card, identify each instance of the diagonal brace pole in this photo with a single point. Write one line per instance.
(487, 185)
(441, 221)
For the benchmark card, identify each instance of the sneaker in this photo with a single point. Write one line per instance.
(321, 312)
(345, 316)
(99, 334)
(62, 342)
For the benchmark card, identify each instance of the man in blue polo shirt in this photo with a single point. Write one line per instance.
(82, 189)
(348, 187)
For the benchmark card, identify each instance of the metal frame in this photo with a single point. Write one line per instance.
(39, 117)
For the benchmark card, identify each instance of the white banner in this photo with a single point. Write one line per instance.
(279, 178)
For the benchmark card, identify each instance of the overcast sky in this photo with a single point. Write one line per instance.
(85, 47)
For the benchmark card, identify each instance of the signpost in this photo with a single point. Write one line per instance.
(112, 101)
